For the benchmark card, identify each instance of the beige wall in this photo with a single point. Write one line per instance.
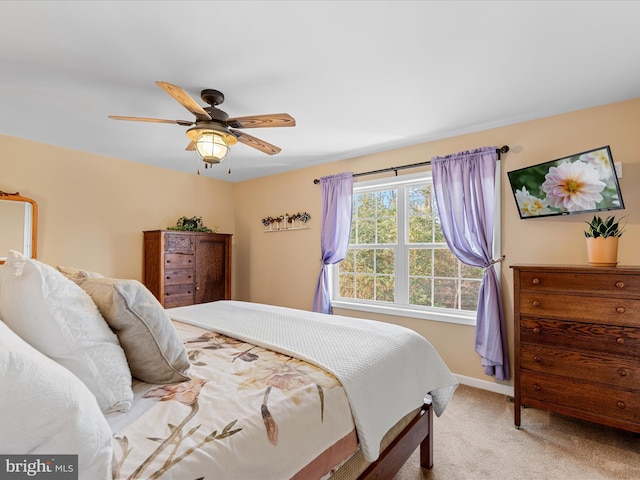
(93, 210)
(281, 268)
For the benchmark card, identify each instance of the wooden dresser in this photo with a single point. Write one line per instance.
(577, 342)
(183, 268)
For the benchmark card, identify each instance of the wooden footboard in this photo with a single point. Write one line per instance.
(419, 432)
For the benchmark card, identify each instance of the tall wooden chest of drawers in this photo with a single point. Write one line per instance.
(577, 342)
(183, 268)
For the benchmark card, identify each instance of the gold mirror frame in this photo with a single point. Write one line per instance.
(33, 241)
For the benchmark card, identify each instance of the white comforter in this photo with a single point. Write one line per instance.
(386, 370)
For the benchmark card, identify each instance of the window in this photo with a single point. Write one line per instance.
(398, 261)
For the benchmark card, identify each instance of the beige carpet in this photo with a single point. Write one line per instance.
(475, 439)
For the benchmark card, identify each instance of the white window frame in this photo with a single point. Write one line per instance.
(404, 310)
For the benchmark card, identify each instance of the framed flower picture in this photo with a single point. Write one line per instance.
(582, 183)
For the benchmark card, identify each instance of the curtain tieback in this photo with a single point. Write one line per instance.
(494, 261)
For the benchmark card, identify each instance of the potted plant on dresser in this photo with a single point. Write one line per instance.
(602, 241)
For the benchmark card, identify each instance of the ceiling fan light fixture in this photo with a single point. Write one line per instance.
(212, 147)
(211, 141)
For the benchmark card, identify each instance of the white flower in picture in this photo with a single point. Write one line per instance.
(529, 205)
(599, 160)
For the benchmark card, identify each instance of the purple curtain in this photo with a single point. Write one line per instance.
(337, 202)
(464, 187)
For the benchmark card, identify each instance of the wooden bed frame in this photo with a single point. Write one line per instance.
(419, 432)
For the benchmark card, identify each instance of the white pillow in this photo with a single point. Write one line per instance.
(58, 318)
(48, 410)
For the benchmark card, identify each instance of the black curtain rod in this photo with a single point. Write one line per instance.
(503, 149)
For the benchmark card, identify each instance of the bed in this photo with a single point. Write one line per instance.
(228, 389)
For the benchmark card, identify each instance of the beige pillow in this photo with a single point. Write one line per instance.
(76, 274)
(153, 348)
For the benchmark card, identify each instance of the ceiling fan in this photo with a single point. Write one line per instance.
(213, 132)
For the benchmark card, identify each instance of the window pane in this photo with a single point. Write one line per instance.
(470, 290)
(387, 230)
(365, 205)
(420, 291)
(385, 261)
(445, 263)
(445, 293)
(420, 200)
(364, 287)
(364, 260)
(366, 232)
(419, 204)
(438, 236)
(420, 261)
(420, 229)
(354, 224)
(386, 203)
(346, 282)
(385, 288)
(386, 213)
(349, 262)
(467, 271)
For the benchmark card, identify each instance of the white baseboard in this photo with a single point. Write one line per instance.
(485, 385)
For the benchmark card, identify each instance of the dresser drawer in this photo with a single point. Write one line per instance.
(598, 283)
(606, 369)
(178, 301)
(179, 243)
(580, 396)
(179, 276)
(179, 260)
(178, 295)
(610, 339)
(614, 311)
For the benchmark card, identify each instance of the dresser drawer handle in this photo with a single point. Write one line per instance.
(620, 309)
(536, 303)
(620, 284)
(621, 404)
(168, 277)
(537, 387)
(620, 340)
(537, 359)
(535, 281)
(622, 372)
(168, 261)
(536, 329)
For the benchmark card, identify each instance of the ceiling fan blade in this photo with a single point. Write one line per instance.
(262, 121)
(187, 102)
(256, 143)
(185, 123)
(191, 146)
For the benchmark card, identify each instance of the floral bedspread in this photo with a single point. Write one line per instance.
(248, 413)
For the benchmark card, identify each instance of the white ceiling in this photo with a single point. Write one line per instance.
(358, 76)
